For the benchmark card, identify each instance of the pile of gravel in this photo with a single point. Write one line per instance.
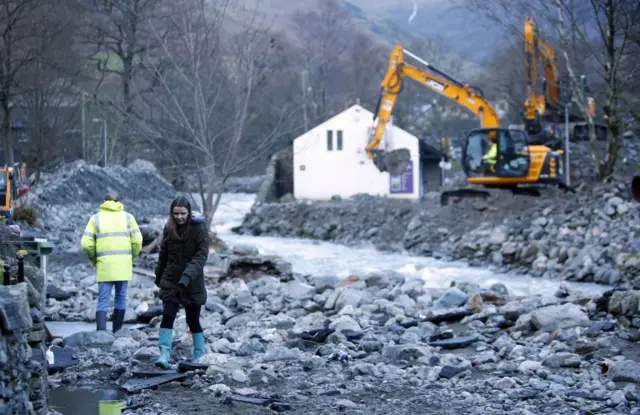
(79, 182)
(67, 198)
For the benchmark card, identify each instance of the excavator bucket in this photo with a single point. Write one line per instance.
(395, 162)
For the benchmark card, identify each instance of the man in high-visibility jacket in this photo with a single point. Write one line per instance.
(491, 155)
(112, 241)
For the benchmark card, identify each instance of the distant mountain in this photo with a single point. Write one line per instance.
(466, 35)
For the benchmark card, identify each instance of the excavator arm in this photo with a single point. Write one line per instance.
(534, 104)
(550, 69)
(463, 94)
(536, 49)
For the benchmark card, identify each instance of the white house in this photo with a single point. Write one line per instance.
(330, 160)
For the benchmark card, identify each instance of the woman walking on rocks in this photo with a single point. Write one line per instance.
(179, 275)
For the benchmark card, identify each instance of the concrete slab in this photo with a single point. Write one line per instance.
(67, 328)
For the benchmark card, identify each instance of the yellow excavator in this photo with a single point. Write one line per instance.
(492, 156)
(548, 106)
(13, 185)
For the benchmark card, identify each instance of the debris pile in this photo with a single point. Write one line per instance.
(380, 340)
(589, 239)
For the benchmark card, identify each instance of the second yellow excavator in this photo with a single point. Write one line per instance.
(492, 156)
(548, 107)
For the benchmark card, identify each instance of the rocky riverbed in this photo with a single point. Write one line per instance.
(383, 343)
(364, 343)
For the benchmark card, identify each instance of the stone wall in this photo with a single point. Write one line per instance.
(15, 353)
(38, 382)
(278, 179)
(24, 386)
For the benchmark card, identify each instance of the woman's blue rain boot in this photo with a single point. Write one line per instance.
(198, 346)
(164, 342)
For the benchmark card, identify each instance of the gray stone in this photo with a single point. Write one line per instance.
(562, 359)
(15, 314)
(296, 290)
(90, 339)
(453, 297)
(624, 371)
(556, 317)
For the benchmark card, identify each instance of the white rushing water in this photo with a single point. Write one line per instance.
(324, 258)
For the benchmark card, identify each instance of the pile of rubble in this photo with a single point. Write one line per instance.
(383, 341)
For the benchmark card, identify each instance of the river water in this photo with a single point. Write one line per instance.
(325, 258)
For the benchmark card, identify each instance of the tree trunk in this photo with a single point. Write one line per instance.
(606, 168)
(6, 135)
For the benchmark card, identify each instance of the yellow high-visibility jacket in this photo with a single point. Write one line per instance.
(112, 241)
(492, 154)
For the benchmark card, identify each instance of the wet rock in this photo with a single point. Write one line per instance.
(63, 358)
(556, 317)
(57, 293)
(452, 298)
(624, 371)
(90, 339)
(147, 315)
(454, 343)
(449, 372)
(253, 267)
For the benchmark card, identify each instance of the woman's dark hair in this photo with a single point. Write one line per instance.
(174, 231)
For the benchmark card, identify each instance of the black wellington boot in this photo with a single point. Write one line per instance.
(101, 320)
(118, 319)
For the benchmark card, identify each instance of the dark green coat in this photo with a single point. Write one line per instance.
(180, 268)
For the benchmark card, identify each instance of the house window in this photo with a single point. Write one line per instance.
(329, 140)
(339, 138)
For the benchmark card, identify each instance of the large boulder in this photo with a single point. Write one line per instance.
(556, 317)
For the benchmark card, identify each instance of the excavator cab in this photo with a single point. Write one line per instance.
(509, 158)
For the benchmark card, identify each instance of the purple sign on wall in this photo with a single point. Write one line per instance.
(404, 182)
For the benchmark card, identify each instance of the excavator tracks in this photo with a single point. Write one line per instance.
(489, 195)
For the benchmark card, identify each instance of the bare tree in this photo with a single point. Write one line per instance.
(324, 37)
(364, 66)
(203, 102)
(615, 21)
(45, 92)
(602, 55)
(120, 39)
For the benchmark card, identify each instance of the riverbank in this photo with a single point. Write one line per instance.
(585, 237)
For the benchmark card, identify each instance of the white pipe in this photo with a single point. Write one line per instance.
(422, 61)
